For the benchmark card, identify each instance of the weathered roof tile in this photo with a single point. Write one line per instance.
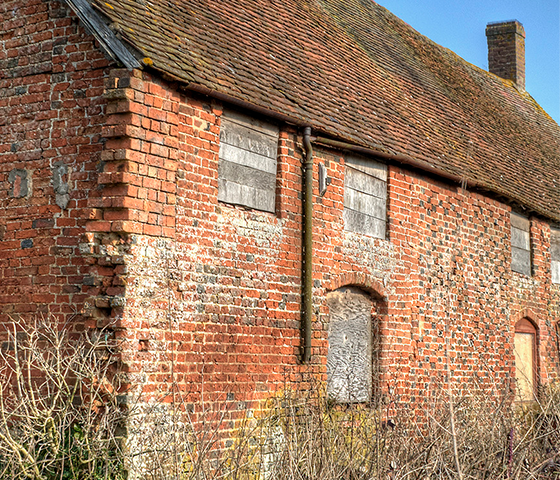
(353, 70)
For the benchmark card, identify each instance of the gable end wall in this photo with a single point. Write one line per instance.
(52, 110)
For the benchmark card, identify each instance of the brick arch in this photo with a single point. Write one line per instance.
(526, 314)
(361, 280)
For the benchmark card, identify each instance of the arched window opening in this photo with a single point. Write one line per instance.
(525, 346)
(350, 358)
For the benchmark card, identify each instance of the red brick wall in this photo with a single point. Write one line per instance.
(205, 297)
(214, 304)
(51, 113)
(211, 299)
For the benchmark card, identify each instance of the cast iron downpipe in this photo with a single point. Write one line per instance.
(307, 240)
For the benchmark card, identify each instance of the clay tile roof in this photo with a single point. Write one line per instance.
(354, 71)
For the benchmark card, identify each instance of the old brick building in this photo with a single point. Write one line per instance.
(159, 164)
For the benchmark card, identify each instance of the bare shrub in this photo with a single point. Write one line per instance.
(58, 409)
(491, 439)
(62, 417)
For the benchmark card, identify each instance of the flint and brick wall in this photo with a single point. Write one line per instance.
(214, 304)
(109, 192)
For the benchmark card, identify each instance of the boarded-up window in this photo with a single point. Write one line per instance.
(247, 166)
(555, 254)
(525, 360)
(349, 359)
(365, 197)
(520, 244)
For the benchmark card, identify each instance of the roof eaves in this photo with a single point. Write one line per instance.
(376, 150)
(338, 142)
(107, 39)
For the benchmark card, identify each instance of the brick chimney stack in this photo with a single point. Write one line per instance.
(506, 51)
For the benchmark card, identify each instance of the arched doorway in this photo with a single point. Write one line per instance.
(525, 347)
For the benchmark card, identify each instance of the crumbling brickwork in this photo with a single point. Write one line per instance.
(215, 302)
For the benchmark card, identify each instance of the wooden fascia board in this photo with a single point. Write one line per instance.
(107, 39)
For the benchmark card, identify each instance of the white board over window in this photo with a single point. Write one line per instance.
(349, 358)
(555, 254)
(520, 244)
(365, 196)
(247, 165)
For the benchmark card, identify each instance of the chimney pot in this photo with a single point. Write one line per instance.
(506, 51)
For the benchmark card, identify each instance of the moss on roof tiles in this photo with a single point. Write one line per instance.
(355, 71)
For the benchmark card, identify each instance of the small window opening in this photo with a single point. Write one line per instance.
(247, 162)
(365, 197)
(520, 244)
(555, 255)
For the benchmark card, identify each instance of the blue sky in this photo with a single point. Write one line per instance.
(460, 26)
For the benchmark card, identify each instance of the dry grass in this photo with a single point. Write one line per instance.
(60, 418)
(319, 440)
